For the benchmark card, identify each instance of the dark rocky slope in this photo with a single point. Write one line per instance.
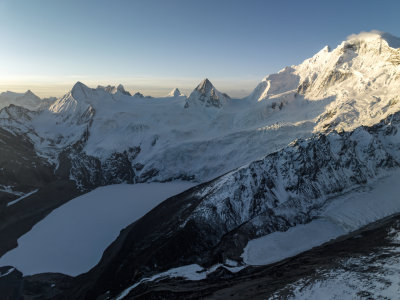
(23, 171)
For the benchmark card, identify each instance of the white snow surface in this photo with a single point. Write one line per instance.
(341, 216)
(175, 93)
(72, 238)
(360, 76)
(354, 84)
(173, 139)
(372, 276)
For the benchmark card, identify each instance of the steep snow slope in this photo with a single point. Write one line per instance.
(361, 75)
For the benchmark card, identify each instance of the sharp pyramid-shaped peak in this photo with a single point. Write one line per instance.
(175, 93)
(80, 90)
(26, 100)
(121, 89)
(207, 95)
(138, 95)
(30, 96)
(78, 103)
(79, 85)
(205, 86)
(29, 93)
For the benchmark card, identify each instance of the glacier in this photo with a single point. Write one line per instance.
(72, 238)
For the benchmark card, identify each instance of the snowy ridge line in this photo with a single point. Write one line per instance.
(27, 100)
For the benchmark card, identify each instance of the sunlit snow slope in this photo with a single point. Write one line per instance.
(107, 132)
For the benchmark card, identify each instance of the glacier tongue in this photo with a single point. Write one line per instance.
(341, 216)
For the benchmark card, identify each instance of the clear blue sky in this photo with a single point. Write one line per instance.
(154, 45)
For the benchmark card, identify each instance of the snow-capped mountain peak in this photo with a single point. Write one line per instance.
(206, 94)
(76, 107)
(80, 90)
(375, 35)
(114, 90)
(27, 100)
(138, 95)
(121, 89)
(359, 78)
(205, 86)
(175, 93)
(29, 93)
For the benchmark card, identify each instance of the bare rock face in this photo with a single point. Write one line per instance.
(43, 286)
